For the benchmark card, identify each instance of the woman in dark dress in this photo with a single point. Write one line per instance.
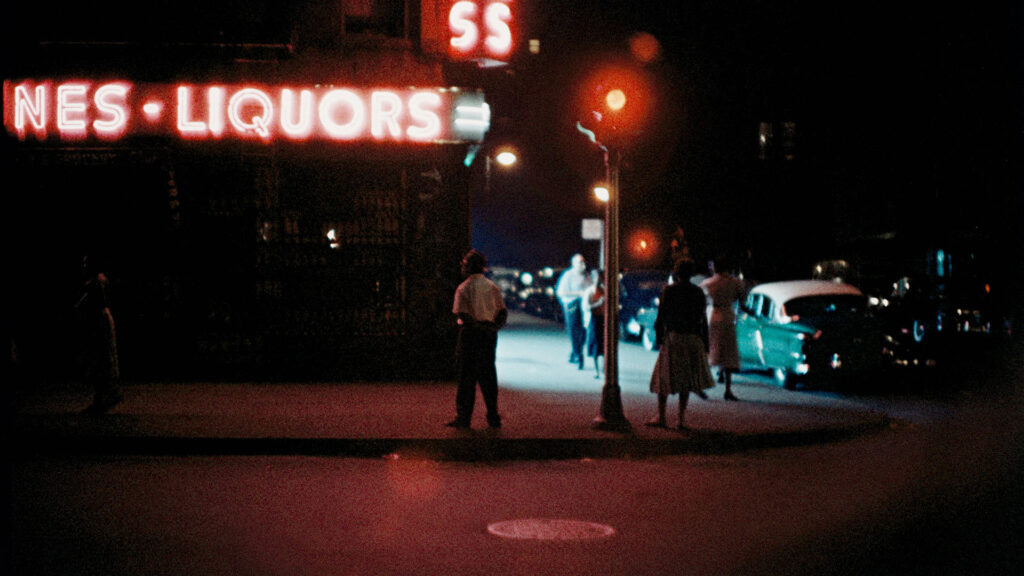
(682, 332)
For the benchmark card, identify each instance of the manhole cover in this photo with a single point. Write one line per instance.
(550, 529)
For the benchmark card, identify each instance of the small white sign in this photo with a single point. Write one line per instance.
(593, 228)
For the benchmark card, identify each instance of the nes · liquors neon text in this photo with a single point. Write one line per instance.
(82, 110)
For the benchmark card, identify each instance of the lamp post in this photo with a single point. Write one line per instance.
(611, 416)
(617, 99)
(505, 157)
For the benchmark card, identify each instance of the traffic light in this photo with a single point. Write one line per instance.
(617, 103)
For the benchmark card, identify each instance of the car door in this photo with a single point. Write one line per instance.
(782, 344)
(748, 332)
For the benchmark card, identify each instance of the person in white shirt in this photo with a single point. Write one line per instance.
(481, 312)
(572, 287)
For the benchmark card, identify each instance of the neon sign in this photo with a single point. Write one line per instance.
(481, 29)
(82, 110)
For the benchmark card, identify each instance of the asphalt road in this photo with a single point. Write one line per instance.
(932, 500)
(938, 493)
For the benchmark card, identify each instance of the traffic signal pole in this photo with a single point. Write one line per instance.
(611, 416)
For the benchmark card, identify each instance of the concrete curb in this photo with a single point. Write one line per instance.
(473, 446)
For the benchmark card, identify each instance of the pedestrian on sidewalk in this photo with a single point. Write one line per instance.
(594, 300)
(682, 332)
(723, 293)
(480, 311)
(100, 367)
(570, 290)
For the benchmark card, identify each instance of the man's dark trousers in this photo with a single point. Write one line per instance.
(577, 333)
(476, 350)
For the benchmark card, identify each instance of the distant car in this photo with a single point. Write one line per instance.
(536, 294)
(507, 280)
(810, 330)
(639, 291)
(927, 310)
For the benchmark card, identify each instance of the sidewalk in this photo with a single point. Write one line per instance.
(407, 420)
(547, 406)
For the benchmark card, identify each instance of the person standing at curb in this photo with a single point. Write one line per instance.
(723, 292)
(481, 312)
(682, 331)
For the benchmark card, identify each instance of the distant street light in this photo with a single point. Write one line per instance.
(504, 157)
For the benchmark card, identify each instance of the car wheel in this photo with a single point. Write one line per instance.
(785, 379)
(648, 339)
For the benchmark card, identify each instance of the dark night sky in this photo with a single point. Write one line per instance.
(909, 120)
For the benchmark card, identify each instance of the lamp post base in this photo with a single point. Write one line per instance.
(611, 417)
(619, 424)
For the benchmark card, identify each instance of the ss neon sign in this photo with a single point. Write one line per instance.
(83, 110)
(481, 29)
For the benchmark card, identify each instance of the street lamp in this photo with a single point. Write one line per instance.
(619, 99)
(610, 415)
(503, 156)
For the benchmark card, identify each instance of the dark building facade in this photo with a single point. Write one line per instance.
(239, 257)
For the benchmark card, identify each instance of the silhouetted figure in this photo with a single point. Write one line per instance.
(480, 309)
(682, 332)
(99, 344)
(571, 289)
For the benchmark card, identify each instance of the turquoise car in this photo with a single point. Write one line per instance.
(806, 330)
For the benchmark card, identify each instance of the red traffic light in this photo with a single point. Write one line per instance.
(617, 101)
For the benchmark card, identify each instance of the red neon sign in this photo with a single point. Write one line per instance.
(80, 110)
(481, 29)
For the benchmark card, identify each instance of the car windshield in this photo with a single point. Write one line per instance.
(827, 304)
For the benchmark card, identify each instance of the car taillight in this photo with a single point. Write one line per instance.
(816, 335)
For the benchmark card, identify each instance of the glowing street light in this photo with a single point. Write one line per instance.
(615, 99)
(602, 193)
(506, 158)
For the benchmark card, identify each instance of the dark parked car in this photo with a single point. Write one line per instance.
(926, 309)
(639, 291)
(507, 280)
(937, 313)
(811, 329)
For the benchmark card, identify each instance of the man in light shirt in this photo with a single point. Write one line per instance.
(572, 286)
(481, 312)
